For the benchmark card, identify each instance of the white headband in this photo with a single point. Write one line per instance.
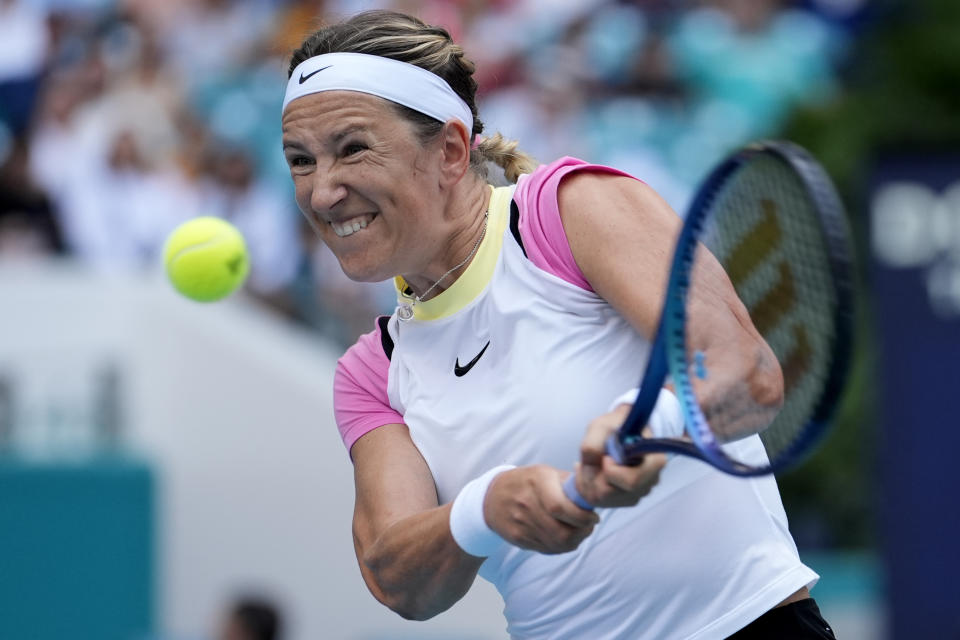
(400, 82)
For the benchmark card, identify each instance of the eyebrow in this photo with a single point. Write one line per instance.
(293, 145)
(340, 135)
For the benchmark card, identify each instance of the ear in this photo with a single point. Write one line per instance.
(454, 152)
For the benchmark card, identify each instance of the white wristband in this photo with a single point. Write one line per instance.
(467, 524)
(666, 420)
(627, 397)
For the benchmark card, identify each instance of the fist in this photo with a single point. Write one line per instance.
(600, 480)
(526, 506)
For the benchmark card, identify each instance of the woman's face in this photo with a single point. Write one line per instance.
(365, 183)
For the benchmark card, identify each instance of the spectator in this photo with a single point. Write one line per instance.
(24, 43)
(118, 210)
(232, 190)
(145, 118)
(252, 619)
(211, 37)
(28, 227)
(755, 58)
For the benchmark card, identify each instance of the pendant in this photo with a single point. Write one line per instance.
(405, 312)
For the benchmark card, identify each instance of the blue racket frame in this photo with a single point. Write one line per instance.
(668, 352)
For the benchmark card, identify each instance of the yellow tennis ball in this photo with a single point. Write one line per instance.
(206, 259)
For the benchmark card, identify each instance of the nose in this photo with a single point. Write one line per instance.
(326, 191)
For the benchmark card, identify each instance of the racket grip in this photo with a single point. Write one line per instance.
(615, 451)
(570, 488)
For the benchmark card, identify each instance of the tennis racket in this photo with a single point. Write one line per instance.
(772, 218)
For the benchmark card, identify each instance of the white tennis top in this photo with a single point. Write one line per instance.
(539, 355)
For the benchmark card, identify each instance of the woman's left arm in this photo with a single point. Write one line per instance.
(622, 235)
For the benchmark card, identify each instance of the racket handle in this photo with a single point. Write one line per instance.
(615, 451)
(570, 488)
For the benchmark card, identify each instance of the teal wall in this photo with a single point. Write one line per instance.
(76, 550)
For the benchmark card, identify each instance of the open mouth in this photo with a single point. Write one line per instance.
(349, 227)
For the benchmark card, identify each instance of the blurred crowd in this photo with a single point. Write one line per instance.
(119, 119)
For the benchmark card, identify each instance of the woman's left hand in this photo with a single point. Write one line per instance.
(604, 483)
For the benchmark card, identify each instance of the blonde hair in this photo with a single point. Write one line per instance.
(405, 38)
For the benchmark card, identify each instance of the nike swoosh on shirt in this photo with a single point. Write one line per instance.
(462, 371)
(304, 78)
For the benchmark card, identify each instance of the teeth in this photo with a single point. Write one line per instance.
(349, 227)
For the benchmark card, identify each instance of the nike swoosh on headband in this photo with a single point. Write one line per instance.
(304, 78)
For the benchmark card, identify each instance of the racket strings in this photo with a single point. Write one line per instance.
(765, 231)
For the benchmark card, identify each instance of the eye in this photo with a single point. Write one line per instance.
(299, 162)
(353, 148)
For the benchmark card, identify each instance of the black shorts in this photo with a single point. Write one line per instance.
(799, 620)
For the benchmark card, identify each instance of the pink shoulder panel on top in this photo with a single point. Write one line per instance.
(541, 229)
(360, 402)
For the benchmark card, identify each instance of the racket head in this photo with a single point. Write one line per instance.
(772, 218)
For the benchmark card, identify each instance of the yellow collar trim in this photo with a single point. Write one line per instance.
(477, 274)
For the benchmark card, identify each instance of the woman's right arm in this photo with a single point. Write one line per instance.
(401, 534)
(408, 557)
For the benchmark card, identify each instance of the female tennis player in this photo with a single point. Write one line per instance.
(524, 313)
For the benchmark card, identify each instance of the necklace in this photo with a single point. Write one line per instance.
(406, 309)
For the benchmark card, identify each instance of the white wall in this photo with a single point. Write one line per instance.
(233, 407)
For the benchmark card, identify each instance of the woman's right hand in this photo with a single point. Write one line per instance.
(526, 506)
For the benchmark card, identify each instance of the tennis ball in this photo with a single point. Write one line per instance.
(206, 259)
